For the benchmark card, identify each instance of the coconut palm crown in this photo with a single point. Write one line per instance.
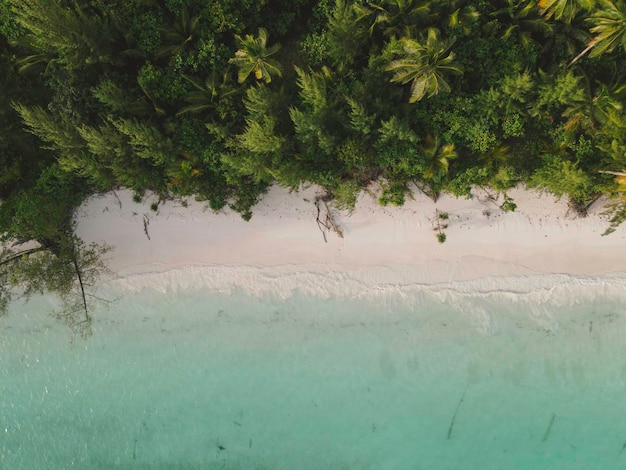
(423, 64)
(609, 27)
(564, 10)
(254, 56)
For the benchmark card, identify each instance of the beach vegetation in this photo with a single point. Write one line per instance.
(441, 224)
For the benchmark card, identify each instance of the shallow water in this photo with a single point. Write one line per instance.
(190, 379)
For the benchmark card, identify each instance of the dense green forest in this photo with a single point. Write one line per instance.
(221, 98)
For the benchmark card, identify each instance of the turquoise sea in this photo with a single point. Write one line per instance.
(198, 380)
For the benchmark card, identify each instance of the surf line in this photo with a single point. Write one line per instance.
(456, 412)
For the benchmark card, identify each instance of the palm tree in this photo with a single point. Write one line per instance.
(457, 15)
(609, 27)
(254, 56)
(423, 65)
(207, 94)
(496, 157)
(438, 158)
(398, 17)
(600, 109)
(35, 62)
(180, 33)
(620, 179)
(523, 18)
(565, 10)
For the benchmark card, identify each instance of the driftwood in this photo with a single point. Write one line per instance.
(581, 210)
(428, 191)
(490, 197)
(326, 222)
(119, 201)
(146, 222)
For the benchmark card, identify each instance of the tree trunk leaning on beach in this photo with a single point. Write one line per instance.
(67, 269)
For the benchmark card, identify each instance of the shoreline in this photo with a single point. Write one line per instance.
(281, 250)
(426, 328)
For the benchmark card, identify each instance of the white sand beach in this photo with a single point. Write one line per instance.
(539, 246)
